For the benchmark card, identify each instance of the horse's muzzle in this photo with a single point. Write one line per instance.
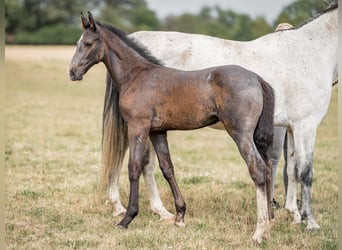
(74, 76)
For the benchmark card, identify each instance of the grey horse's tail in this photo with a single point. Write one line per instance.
(263, 136)
(114, 135)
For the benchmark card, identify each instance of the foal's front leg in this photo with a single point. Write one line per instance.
(151, 186)
(161, 147)
(137, 137)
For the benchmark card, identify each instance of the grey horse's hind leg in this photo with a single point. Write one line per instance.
(278, 143)
(300, 156)
(151, 185)
(285, 177)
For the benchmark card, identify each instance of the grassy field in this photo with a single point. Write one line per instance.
(53, 156)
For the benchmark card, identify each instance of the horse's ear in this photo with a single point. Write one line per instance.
(92, 22)
(85, 23)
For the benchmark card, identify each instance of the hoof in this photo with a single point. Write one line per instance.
(257, 240)
(121, 227)
(167, 220)
(297, 219)
(163, 213)
(180, 223)
(117, 213)
(118, 209)
(262, 232)
(313, 226)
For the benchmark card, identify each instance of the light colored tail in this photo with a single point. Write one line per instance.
(114, 135)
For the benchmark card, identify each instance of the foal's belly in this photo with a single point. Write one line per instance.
(183, 121)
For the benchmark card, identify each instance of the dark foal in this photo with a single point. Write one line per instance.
(152, 99)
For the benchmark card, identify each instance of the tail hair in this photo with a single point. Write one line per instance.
(263, 138)
(114, 135)
(263, 134)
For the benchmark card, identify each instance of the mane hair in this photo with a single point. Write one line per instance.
(139, 48)
(319, 13)
(332, 6)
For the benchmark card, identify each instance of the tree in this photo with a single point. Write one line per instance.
(260, 27)
(219, 23)
(201, 23)
(43, 20)
(129, 15)
(32, 15)
(301, 11)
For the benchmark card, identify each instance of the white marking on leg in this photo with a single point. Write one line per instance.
(152, 189)
(263, 222)
(114, 197)
(156, 203)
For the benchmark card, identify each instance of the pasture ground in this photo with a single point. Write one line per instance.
(53, 157)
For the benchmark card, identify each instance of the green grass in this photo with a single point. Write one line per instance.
(53, 156)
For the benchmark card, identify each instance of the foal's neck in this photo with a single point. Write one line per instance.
(123, 63)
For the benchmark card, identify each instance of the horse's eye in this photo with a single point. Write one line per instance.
(87, 44)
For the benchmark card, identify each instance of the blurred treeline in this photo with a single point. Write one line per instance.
(57, 21)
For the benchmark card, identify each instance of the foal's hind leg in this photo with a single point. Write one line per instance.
(257, 170)
(150, 182)
(161, 147)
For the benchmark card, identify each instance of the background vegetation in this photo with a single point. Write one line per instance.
(57, 21)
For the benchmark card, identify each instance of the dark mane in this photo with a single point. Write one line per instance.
(139, 48)
(332, 6)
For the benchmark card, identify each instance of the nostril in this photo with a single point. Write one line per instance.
(71, 73)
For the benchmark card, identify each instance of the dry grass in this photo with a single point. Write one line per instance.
(53, 155)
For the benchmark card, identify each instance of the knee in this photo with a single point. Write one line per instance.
(259, 177)
(134, 175)
(258, 172)
(306, 175)
(275, 155)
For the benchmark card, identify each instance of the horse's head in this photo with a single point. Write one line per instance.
(89, 49)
